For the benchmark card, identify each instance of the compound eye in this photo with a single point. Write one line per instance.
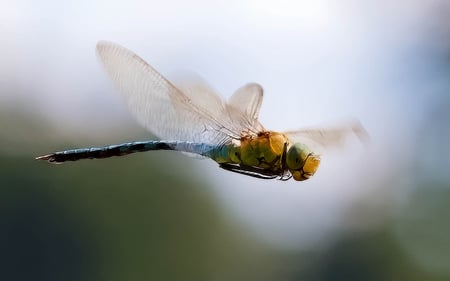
(296, 156)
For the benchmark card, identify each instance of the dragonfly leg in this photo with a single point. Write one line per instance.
(285, 176)
(248, 171)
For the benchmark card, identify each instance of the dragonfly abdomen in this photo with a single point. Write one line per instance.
(124, 149)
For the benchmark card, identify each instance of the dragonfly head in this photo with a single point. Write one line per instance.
(302, 162)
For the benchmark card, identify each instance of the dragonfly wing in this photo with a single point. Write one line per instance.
(241, 111)
(248, 100)
(199, 92)
(320, 139)
(160, 106)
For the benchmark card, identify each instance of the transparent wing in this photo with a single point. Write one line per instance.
(199, 92)
(321, 139)
(197, 114)
(248, 99)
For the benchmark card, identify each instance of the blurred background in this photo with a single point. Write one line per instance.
(379, 212)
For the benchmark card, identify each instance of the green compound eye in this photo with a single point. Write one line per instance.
(296, 156)
(302, 162)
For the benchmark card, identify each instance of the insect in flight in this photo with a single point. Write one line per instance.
(192, 118)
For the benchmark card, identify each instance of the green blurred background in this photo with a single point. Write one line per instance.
(380, 213)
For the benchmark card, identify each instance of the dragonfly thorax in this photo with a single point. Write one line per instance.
(263, 151)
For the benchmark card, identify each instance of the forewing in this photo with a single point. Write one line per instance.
(200, 93)
(157, 104)
(240, 113)
(248, 100)
(321, 139)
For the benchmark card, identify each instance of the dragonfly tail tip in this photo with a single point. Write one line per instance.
(49, 158)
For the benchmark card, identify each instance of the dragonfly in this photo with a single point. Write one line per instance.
(191, 117)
